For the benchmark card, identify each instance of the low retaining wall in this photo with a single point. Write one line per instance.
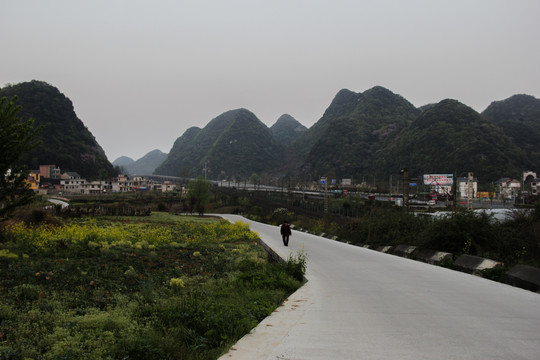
(433, 257)
(474, 264)
(525, 277)
(271, 252)
(384, 249)
(404, 250)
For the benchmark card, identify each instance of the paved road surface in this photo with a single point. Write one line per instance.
(362, 304)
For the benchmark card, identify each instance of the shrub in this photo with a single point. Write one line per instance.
(461, 232)
(384, 227)
(280, 215)
(296, 265)
(32, 215)
(162, 207)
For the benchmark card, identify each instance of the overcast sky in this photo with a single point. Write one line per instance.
(139, 73)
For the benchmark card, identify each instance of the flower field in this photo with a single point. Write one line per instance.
(164, 287)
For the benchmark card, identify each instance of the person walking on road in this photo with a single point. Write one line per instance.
(285, 232)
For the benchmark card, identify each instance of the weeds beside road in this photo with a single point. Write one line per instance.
(158, 287)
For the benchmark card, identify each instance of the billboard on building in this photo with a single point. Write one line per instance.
(438, 179)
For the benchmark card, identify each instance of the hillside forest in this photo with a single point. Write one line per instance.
(365, 136)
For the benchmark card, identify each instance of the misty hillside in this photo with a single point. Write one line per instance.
(370, 135)
(143, 166)
(287, 129)
(122, 161)
(234, 144)
(367, 135)
(451, 137)
(519, 117)
(344, 142)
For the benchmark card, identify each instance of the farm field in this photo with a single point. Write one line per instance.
(157, 287)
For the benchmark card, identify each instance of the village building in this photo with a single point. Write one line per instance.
(462, 188)
(49, 172)
(71, 182)
(508, 188)
(95, 187)
(34, 178)
(124, 183)
(535, 186)
(167, 186)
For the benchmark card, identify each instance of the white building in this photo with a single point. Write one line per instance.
(71, 182)
(168, 186)
(462, 188)
(534, 186)
(508, 188)
(94, 187)
(124, 183)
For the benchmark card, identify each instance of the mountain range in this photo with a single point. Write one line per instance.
(369, 135)
(143, 166)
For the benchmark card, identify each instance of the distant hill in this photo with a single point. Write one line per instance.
(426, 107)
(122, 161)
(450, 137)
(185, 155)
(519, 117)
(369, 135)
(287, 129)
(344, 141)
(235, 144)
(65, 140)
(143, 166)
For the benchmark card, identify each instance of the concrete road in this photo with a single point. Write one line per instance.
(362, 304)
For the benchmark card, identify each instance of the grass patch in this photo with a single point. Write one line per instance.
(159, 287)
(167, 217)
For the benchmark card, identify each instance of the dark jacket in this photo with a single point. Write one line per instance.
(285, 229)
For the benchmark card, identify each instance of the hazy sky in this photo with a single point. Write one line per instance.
(139, 73)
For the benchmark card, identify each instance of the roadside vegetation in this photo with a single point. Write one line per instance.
(515, 241)
(152, 287)
(75, 284)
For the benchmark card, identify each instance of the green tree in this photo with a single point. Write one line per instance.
(198, 193)
(255, 179)
(16, 137)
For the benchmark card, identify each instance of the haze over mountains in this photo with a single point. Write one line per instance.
(366, 136)
(143, 166)
(371, 135)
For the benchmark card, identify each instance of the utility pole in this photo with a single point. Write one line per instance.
(405, 172)
(470, 192)
(454, 192)
(325, 181)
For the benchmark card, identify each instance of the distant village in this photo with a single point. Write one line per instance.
(49, 178)
(503, 189)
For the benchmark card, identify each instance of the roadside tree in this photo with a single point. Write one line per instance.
(198, 194)
(16, 137)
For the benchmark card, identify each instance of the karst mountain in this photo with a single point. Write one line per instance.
(361, 135)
